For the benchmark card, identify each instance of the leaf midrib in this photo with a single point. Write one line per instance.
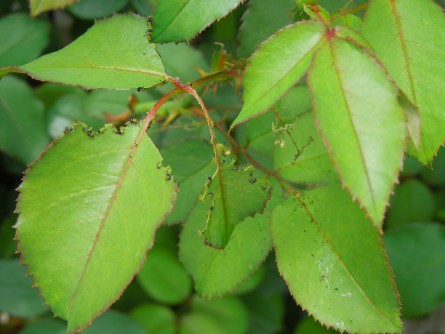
(401, 36)
(105, 216)
(351, 118)
(321, 41)
(340, 259)
(173, 20)
(101, 67)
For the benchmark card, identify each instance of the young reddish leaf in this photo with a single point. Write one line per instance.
(181, 20)
(361, 121)
(89, 208)
(113, 54)
(274, 69)
(409, 38)
(334, 262)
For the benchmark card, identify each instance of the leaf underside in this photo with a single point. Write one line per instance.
(89, 205)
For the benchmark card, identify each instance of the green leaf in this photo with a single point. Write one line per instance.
(91, 9)
(113, 54)
(155, 318)
(232, 195)
(39, 6)
(183, 19)
(88, 205)
(182, 61)
(352, 99)
(411, 167)
(303, 158)
(17, 296)
(260, 132)
(416, 255)
(49, 93)
(259, 139)
(143, 7)
(409, 38)
(218, 316)
(348, 20)
(191, 162)
(309, 326)
(22, 124)
(45, 326)
(21, 39)
(251, 283)
(113, 322)
(260, 20)
(413, 124)
(217, 272)
(103, 103)
(8, 245)
(164, 278)
(338, 5)
(436, 175)
(266, 304)
(412, 202)
(333, 261)
(68, 109)
(197, 323)
(93, 108)
(273, 70)
(266, 313)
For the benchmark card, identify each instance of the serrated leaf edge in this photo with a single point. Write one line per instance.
(19, 243)
(342, 330)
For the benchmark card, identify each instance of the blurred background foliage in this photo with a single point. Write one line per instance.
(161, 299)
